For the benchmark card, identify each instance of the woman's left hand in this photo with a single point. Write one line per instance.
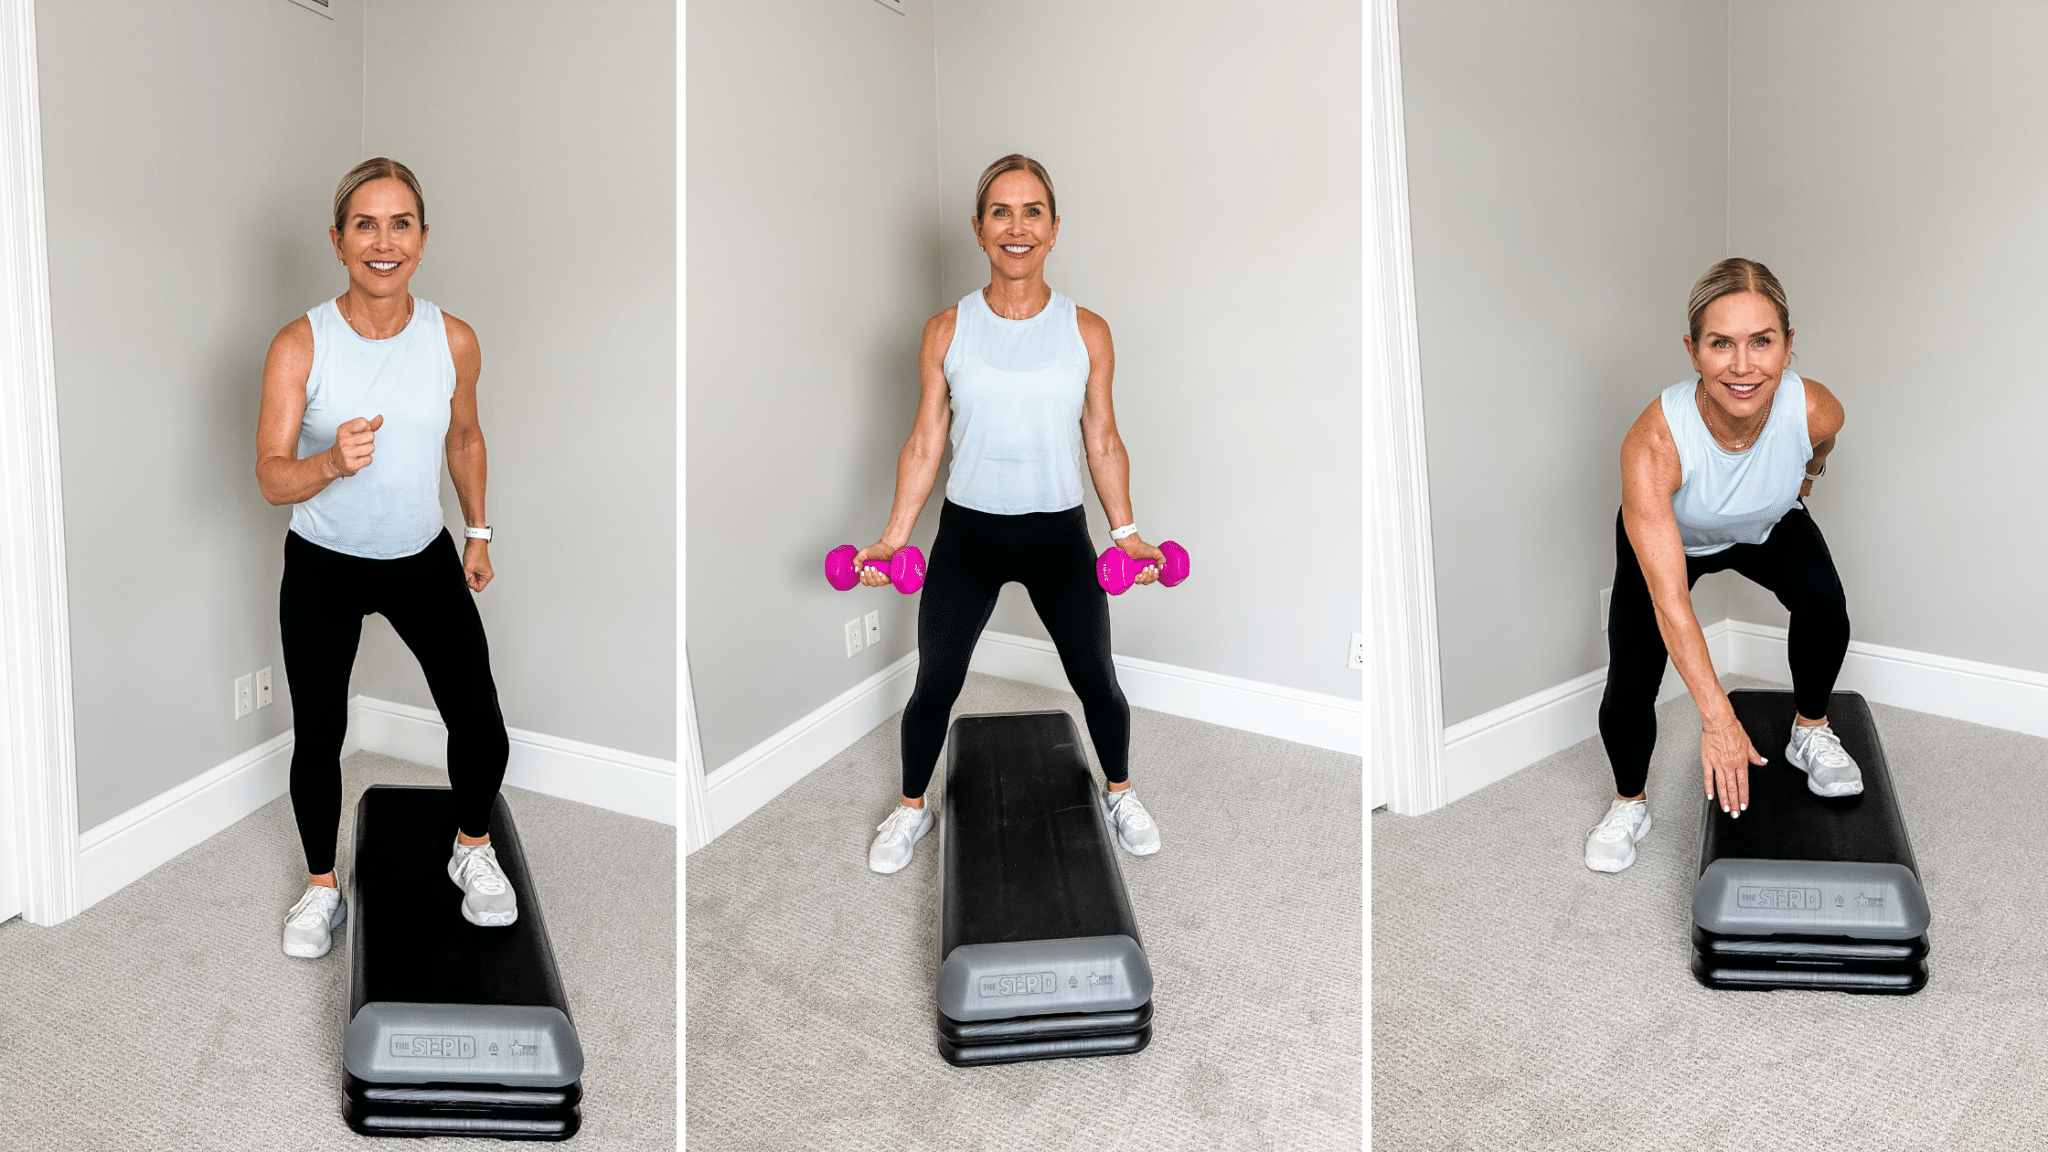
(476, 564)
(1137, 549)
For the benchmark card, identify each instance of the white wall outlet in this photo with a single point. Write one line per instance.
(263, 687)
(1357, 650)
(874, 627)
(853, 633)
(1605, 594)
(245, 696)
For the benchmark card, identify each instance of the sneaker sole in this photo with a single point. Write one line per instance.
(1604, 866)
(1828, 791)
(490, 919)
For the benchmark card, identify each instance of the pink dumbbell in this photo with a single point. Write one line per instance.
(1116, 571)
(905, 569)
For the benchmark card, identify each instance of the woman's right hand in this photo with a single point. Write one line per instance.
(1725, 757)
(355, 443)
(881, 551)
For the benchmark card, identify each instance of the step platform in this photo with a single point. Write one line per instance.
(1807, 892)
(1039, 954)
(452, 1029)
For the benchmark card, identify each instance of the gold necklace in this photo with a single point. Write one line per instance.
(1701, 396)
(365, 335)
(992, 306)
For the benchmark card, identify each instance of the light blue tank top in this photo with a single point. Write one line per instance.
(1016, 388)
(1726, 498)
(393, 507)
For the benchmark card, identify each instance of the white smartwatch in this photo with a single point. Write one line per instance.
(483, 534)
(1130, 529)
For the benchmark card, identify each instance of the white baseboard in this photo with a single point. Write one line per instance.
(1495, 745)
(741, 786)
(1989, 694)
(1314, 718)
(607, 778)
(130, 846)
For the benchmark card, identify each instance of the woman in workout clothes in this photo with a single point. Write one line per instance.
(1712, 477)
(1019, 376)
(361, 398)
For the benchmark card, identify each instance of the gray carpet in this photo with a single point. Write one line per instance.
(167, 1017)
(1523, 1001)
(809, 979)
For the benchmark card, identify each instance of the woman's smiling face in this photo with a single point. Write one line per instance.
(1017, 227)
(1741, 353)
(381, 238)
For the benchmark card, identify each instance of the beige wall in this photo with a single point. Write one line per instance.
(1208, 170)
(1566, 187)
(186, 210)
(812, 266)
(1574, 167)
(832, 166)
(544, 136)
(1887, 165)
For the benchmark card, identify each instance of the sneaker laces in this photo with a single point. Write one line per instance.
(898, 825)
(479, 869)
(1619, 821)
(312, 911)
(1824, 748)
(1128, 813)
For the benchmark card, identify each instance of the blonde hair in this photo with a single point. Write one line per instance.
(376, 168)
(1014, 162)
(1729, 277)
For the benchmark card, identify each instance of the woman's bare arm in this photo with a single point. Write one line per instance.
(1650, 476)
(1824, 418)
(280, 474)
(1109, 465)
(464, 444)
(917, 466)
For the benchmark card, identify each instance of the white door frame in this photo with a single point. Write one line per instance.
(37, 766)
(1407, 700)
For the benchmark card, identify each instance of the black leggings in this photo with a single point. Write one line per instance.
(1793, 563)
(320, 610)
(975, 554)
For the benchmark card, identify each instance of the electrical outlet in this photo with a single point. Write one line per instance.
(874, 628)
(245, 696)
(853, 632)
(1357, 650)
(1605, 594)
(263, 687)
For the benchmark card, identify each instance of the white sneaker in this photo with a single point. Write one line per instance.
(1818, 752)
(898, 837)
(309, 926)
(1134, 827)
(487, 897)
(1611, 845)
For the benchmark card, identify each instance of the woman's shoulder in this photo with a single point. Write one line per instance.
(295, 337)
(938, 331)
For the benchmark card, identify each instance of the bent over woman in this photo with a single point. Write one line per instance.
(362, 397)
(1018, 376)
(1713, 477)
